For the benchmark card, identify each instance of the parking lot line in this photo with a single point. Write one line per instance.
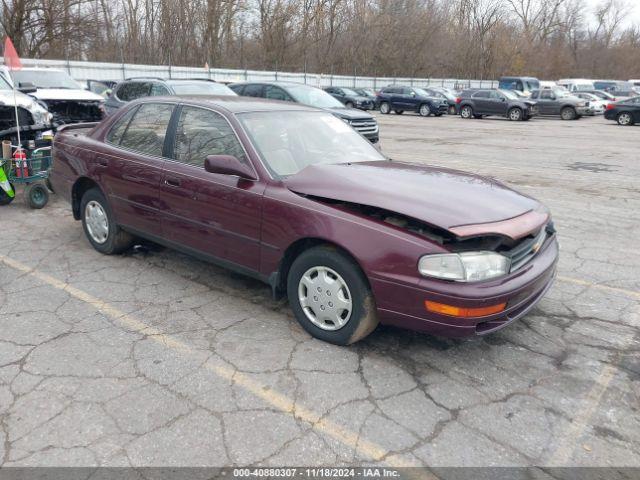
(570, 437)
(277, 400)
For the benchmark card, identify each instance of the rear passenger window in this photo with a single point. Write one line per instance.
(148, 128)
(252, 91)
(204, 132)
(115, 134)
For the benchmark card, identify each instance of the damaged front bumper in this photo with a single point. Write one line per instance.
(404, 305)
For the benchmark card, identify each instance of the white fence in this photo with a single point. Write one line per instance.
(118, 71)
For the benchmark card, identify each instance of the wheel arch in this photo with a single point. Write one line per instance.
(294, 250)
(79, 188)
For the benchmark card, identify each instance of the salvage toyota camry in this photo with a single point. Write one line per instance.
(297, 198)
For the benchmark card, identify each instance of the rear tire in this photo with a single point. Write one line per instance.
(345, 281)
(36, 195)
(466, 112)
(568, 113)
(385, 109)
(99, 224)
(625, 119)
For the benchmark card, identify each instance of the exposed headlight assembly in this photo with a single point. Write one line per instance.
(464, 267)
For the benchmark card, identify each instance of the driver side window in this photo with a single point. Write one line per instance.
(203, 132)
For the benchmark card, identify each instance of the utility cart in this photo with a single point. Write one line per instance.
(30, 168)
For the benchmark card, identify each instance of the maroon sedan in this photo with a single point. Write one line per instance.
(297, 198)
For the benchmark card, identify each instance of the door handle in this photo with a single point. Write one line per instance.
(172, 182)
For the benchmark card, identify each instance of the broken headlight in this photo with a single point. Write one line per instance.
(464, 267)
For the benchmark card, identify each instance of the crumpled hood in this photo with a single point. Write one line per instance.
(66, 94)
(24, 101)
(445, 198)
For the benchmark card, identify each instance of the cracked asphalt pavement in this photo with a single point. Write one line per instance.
(153, 358)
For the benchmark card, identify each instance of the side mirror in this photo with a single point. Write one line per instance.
(228, 165)
(27, 87)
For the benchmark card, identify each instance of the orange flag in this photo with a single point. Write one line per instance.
(11, 58)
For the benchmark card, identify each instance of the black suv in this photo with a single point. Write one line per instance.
(361, 121)
(134, 88)
(476, 103)
(409, 99)
(350, 98)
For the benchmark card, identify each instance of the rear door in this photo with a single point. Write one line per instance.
(481, 104)
(218, 215)
(131, 165)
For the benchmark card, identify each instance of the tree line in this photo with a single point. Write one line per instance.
(480, 39)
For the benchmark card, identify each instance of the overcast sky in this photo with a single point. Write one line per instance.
(634, 13)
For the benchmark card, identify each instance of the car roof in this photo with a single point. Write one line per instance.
(233, 104)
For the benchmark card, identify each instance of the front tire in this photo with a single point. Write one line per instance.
(348, 105)
(625, 119)
(425, 110)
(385, 108)
(466, 112)
(515, 114)
(99, 224)
(568, 113)
(330, 296)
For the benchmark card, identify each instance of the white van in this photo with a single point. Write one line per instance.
(576, 84)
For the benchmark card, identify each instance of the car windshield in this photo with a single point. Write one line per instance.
(532, 84)
(348, 91)
(509, 94)
(422, 92)
(288, 143)
(45, 79)
(201, 88)
(314, 97)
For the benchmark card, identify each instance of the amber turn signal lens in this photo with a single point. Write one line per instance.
(452, 310)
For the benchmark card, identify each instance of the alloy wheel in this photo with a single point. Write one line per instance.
(624, 119)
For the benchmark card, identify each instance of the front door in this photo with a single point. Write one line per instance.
(218, 215)
(548, 103)
(131, 164)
